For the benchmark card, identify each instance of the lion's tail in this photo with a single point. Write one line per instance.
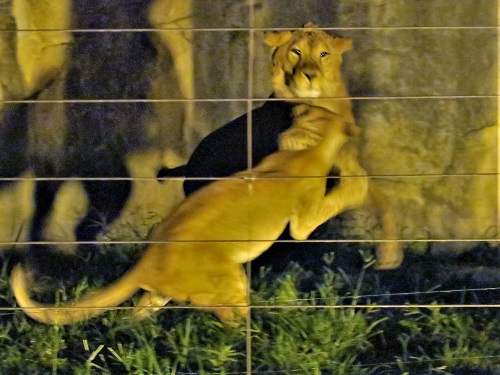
(72, 312)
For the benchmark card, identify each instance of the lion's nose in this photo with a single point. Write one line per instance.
(309, 71)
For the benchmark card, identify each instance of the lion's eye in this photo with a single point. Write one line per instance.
(296, 51)
(323, 54)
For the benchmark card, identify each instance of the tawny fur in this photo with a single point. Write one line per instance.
(202, 244)
(306, 66)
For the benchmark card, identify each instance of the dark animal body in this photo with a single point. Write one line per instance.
(95, 137)
(196, 252)
(225, 151)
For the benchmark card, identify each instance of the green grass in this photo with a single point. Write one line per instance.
(296, 327)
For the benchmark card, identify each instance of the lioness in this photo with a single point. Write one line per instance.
(198, 250)
(224, 151)
(306, 65)
(306, 68)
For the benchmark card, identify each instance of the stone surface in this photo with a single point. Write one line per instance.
(450, 143)
(435, 149)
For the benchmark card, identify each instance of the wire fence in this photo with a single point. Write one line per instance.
(361, 302)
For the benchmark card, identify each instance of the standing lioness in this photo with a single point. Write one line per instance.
(306, 69)
(199, 248)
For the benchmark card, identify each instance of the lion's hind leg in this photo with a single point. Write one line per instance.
(227, 295)
(149, 303)
(389, 253)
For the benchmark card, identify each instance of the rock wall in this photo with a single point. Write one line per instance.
(446, 138)
(422, 80)
(429, 126)
(421, 95)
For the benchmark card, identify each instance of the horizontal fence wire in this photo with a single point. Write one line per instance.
(249, 177)
(350, 298)
(344, 241)
(370, 307)
(241, 100)
(253, 29)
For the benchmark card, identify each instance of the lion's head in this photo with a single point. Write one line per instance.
(306, 63)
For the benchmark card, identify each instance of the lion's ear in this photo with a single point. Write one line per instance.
(277, 38)
(342, 44)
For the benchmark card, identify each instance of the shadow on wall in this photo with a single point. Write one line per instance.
(89, 139)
